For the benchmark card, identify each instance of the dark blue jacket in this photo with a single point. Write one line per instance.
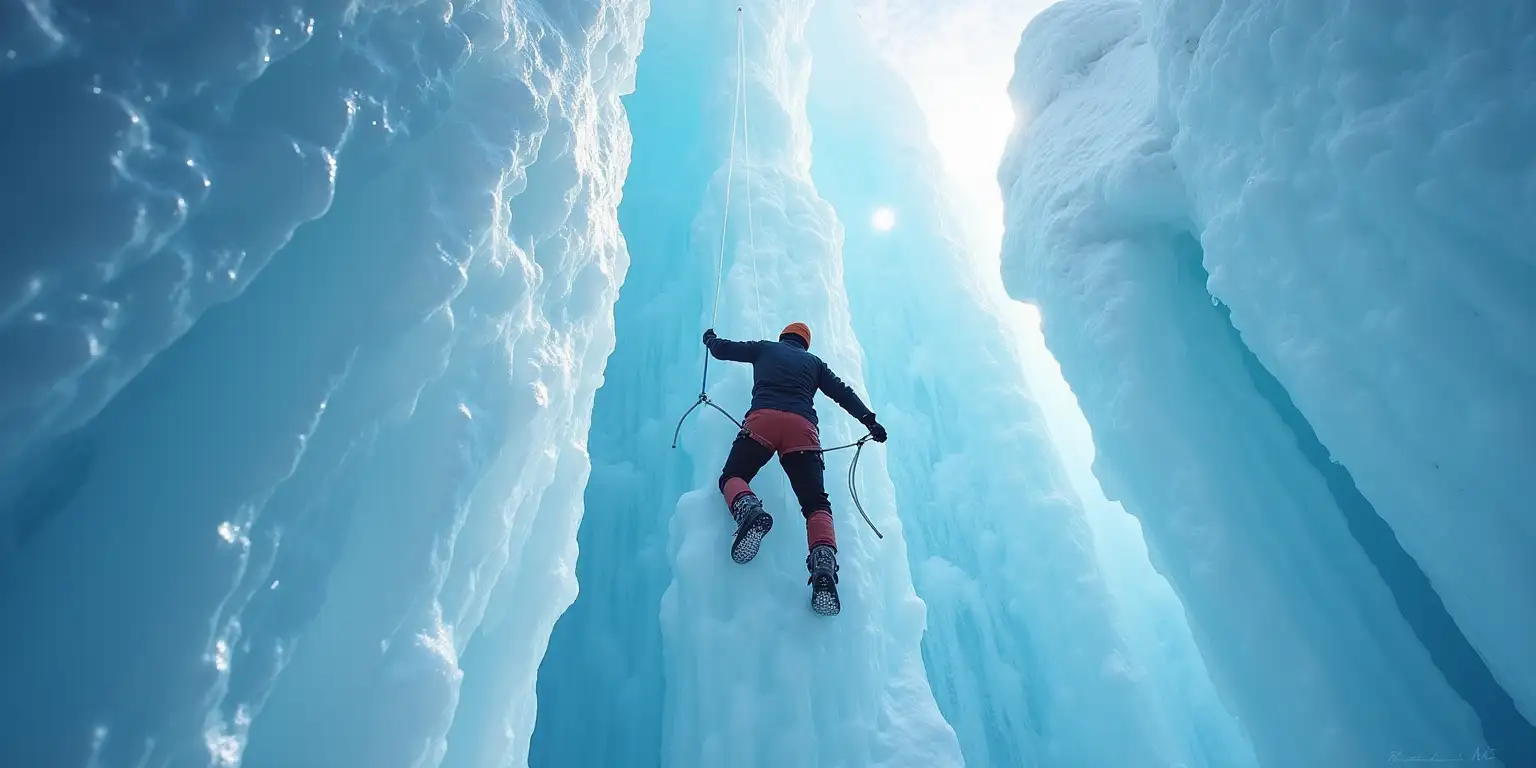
(785, 377)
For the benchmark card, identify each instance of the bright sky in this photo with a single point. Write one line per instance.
(957, 55)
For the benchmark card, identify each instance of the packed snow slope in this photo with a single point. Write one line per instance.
(1279, 250)
(743, 672)
(302, 314)
(1034, 657)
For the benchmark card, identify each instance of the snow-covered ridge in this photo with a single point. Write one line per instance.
(1355, 180)
(303, 468)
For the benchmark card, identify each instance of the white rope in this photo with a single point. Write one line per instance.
(746, 140)
(730, 170)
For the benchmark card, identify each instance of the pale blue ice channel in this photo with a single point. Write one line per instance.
(342, 344)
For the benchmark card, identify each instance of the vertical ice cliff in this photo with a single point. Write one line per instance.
(1361, 179)
(1030, 652)
(1275, 246)
(750, 677)
(600, 684)
(298, 494)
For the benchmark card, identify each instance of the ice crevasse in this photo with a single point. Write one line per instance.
(324, 362)
(1025, 653)
(1281, 252)
(707, 662)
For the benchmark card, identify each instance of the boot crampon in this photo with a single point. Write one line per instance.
(822, 563)
(752, 524)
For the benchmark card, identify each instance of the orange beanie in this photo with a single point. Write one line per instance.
(799, 329)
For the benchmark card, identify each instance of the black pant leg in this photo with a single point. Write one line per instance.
(806, 471)
(746, 459)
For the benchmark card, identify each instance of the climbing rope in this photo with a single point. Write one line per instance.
(853, 474)
(746, 146)
(853, 488)
(725, 218)
(703, 400)
(730, 170)
(739, 110)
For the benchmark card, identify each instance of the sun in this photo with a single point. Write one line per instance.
(883, 219)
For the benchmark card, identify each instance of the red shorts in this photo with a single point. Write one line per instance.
(783, 431)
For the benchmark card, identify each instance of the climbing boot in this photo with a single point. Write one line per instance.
(752, 524)
(822, 563)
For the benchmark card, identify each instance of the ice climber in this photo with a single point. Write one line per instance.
(782, 419)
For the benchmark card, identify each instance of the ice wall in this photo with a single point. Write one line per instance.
(1034, 658)
(301, 495)
(1158, 142)
(601, 683)
(1388, 175)
(750, 676)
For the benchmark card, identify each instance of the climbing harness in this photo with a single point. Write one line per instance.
(739, 110)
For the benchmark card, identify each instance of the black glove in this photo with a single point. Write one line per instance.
(875, 430)
(709, 336)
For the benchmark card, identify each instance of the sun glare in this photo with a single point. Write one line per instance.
(883, 219)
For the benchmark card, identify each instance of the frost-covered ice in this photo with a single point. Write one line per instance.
(1355, 179)
(272, 487)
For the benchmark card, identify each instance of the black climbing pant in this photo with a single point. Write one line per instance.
(805, 470)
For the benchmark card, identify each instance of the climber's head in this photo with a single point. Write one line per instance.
(798, 333)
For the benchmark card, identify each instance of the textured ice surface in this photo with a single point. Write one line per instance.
(1352, 180)
(1029, 650)
(273, 487)
(746, 674)
(1362, 178)
(600, 684)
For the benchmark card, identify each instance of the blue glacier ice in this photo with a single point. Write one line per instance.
(1276, 251)
(1029, 647)
(342, 345)
(267, 483)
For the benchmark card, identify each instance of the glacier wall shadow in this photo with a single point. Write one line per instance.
(602, 681)
(303, 312)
